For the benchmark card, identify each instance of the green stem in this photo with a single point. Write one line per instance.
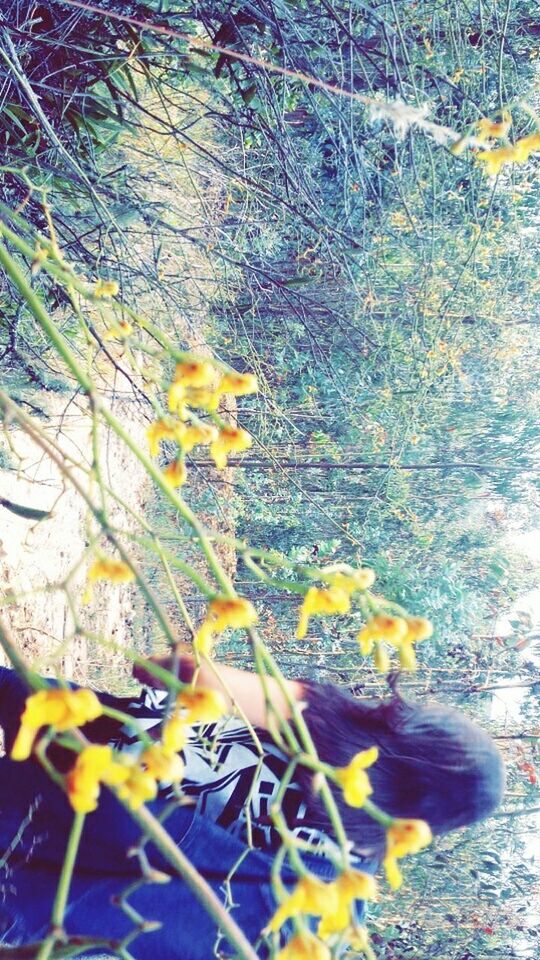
(62, 891)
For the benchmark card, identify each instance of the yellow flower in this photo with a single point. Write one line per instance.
(95, 764)
(353, 779)
(203, 706)
(392, 872)
(407, 836)
(138, 787)
(176, 397)
(382, 627)
(163, 763)
(238, 384)
(162, 430)
(351, 885)
(118, 331)
(106, 568)
(519, 152)
(106, 288)
(310, 895)
(381, 659)
(204, 397)
(407, 656)
(322, 601)
(418, 628)
(174, 734)
(194, 373)
(229, 440)
(196, 434)
(349, 580)
(224, 612)
(193, 386)
(526, 146)
(304, 946)
(402, 838)
(496, 130)
(175, 473)
(61, 709)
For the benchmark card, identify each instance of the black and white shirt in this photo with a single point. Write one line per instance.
(229, 780)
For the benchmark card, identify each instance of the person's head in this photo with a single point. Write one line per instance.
(434, 763)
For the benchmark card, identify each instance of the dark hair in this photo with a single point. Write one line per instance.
(434, 763)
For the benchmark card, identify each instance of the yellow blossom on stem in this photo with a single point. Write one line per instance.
(402, 838)
(61, 709)
(382, 627)
(202, 705)
(349, 886)
(519, 152)
(175, 473)
(322, 601)
(196, 434)
(194, 373)
(94, 765)
(349, 580)
(304, 946)
(310, 895)
(224, 612)
(174, 734)
(176, 397)
(138, 787)
(353, 778)
(418, 628)
(204, 397)
(238, 384)
(162, 430)
(381, 659)
(407, 656)
(107, 568)
(106, 288)
(229, 440)
(163, 763)
(119, 331)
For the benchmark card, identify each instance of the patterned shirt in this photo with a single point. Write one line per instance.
(230, 782)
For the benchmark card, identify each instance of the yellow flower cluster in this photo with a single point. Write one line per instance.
(223, 612)
(107, 568)
(198, 384)
(400, 632)
(402, 838)
(353, 778)
(57, 708)
(335, 598)
(135, 780)
(518, 152)
(330, 901)
(93, 766)
(229, 440)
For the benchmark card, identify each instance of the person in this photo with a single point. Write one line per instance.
(434, 764)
